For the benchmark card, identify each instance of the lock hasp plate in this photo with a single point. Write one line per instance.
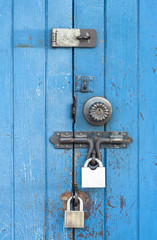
(93, 178)
(66, 37)
(74, 219)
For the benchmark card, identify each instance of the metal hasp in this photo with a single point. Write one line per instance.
(91, 140)
(65, 37)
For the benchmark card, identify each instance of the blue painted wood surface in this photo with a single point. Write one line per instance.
(29, 120)
(147, 120)
(37, 84)
(58, 118)
(6, 122)
(121, 90)
(89, 62)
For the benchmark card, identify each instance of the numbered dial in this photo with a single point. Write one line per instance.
(97, 111)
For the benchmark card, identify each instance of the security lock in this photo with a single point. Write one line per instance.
(74, 219)
(93, 178)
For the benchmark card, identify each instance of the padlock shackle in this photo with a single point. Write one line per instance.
(90, 159)
(69, 201)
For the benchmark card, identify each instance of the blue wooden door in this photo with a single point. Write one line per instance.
(37, 84)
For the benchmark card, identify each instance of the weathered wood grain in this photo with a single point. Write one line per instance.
(121, 90)
(29, 119)
(6, 122)
(58, 118)
(147, 120)
(89, 62)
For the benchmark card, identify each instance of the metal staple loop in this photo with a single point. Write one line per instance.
(93, 158)
(83, 37)
(94, 163)
(75, 195)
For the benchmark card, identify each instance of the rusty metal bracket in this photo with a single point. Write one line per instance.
(84, 84)
(65, 37)
(91, 140)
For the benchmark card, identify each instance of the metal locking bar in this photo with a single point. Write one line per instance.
(90, 140)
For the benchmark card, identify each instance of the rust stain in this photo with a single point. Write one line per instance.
(87, 233)
(101, 233)
(118, 164)
(155, 164)
(108, 233)
(101, 41)
(122, 203)
(84, 230)
(64, 198)
(154, 70)
(87, 203)
(30, 37)
(113, 84)
(21, 45)
(141, 116)
(109, 203)
(77, 154)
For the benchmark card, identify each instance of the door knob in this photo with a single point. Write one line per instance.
(97, 111)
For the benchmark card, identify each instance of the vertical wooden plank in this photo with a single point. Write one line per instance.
(6, 120)
(29, 118)
(89, 62)
(121, 90)
(58, 118)
(147, 119)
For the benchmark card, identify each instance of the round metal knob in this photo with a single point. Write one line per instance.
(97, 111)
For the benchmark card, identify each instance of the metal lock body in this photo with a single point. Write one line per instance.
(97, 111)
(74, 219)
(93, 178)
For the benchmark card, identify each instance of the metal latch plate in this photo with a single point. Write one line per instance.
(65, 37)
(116, 139)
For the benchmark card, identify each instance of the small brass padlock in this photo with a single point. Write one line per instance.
(74, 219)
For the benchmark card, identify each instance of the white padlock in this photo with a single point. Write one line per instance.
(93, 178)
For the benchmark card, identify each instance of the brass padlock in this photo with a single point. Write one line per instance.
(74, 219)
